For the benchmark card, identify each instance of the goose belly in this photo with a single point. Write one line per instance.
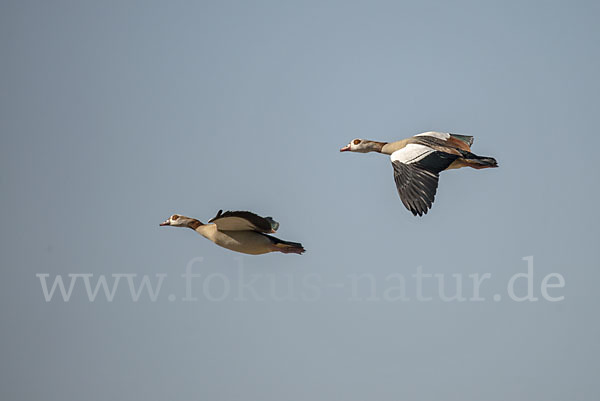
(248, 242)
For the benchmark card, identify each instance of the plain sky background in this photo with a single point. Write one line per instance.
(114, 115)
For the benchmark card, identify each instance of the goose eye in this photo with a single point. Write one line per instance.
(356, 141)
(174, 217)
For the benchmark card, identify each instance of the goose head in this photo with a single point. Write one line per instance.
(362, 146)
(178, 220)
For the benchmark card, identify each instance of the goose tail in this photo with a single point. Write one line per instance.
(480, 162)
(286, 246)
(290, 247)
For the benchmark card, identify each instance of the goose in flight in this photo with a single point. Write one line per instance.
(417, 162)
(243, 232)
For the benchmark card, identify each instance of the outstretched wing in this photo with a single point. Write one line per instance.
(416, 173)
(244, 221)
(445, 141)
(416, 187)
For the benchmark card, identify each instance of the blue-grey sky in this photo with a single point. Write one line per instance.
(114, 115)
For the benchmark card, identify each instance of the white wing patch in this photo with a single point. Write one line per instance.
(411, 153)
(439, 135)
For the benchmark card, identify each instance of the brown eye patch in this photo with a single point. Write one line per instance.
(175, 217)
(356, 141)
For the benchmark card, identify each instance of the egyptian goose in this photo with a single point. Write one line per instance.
(243, 232)
(418, 160)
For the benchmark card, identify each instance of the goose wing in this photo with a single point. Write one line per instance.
(244, 221)
(445, 141)
(416, 173)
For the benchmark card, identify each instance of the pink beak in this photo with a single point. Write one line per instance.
(165, 223)
(345, 148)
